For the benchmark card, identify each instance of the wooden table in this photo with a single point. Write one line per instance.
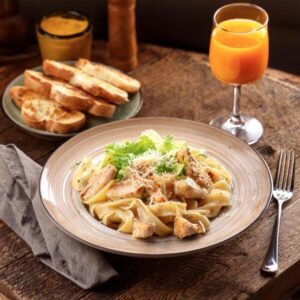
(178, 84)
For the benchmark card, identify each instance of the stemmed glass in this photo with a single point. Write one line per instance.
(238, 54)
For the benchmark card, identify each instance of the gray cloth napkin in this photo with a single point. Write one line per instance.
(21, 209)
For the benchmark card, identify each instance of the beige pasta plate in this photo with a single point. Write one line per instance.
(251, 187)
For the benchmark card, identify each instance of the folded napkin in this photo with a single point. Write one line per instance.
(21, 209)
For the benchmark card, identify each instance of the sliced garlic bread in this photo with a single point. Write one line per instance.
(70, 97)
(20, 94)
(42, 113)
(37, 82)
(67, 95)
(61, 92)
(48, 115)
(101, 108)
(90, 84)
(108, 74)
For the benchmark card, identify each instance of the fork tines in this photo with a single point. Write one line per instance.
(285, 172)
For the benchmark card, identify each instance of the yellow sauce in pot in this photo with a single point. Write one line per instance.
(64, 36)
(61, 26)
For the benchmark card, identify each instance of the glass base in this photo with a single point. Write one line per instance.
(250, 130)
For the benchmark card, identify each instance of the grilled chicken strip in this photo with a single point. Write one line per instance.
(200, 176)
(184, 228)
(194, 169)
(156, 196)
(189, 189)
(98, 181)
(142, 230)
(125, 189)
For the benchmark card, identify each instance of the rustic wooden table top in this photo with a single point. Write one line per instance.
(178, 84)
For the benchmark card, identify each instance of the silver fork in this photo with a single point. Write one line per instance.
(282, 191)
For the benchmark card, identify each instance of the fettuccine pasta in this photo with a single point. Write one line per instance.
(154, 186)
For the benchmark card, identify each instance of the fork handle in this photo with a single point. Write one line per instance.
(270, 264)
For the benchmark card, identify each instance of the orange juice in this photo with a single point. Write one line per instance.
(239, 51)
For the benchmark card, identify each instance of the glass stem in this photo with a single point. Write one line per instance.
(236, 114)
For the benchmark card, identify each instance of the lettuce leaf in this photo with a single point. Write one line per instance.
(165, 145)
(121, 154)
(153, 135)
(170, 167)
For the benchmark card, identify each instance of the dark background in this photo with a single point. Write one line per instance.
(185, 23)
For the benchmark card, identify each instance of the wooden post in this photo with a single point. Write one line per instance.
(122, 34)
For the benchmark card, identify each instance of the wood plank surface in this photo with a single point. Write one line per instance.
(179, 84)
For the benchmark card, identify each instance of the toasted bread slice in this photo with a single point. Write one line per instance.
(108, 74)
(20, 94)
(92, 85)
(67, 95)
(61, 92)
(48, 115)
(73, 98)
(37, 82)
(70, 97)
(42, 113)
(101, 108)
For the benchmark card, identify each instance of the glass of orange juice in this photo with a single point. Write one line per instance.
(238, 54)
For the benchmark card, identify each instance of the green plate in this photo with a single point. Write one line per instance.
(123, 112)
